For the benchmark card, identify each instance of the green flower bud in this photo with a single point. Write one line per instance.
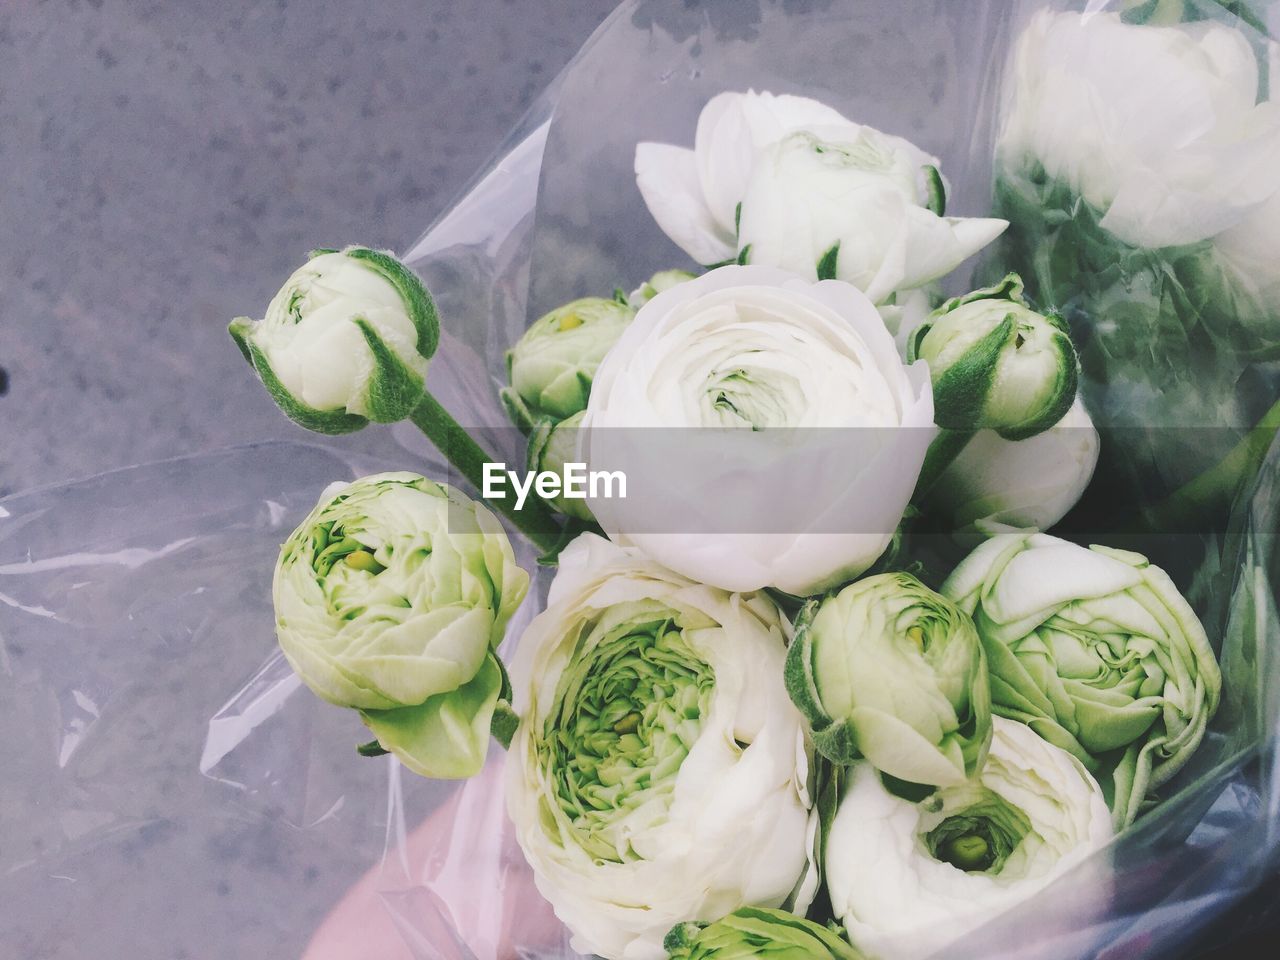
(757, 932)
(553, 364)
(391, 598)
(345, 341)
(888, 670)
(551, 445)
(1097, 652)
(996, 363)
(660, 281)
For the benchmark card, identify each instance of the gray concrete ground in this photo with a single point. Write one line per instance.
(167, 163)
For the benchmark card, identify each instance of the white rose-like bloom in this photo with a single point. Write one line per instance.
(660, 772)
(1020, 483)
(1157, 127)
(908, 878)
(789, 182)
(812, 431)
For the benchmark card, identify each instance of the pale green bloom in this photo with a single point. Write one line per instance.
(996, 363)
(345, 341)
(756, 932)
(1097, 651)
(391, 598)
(889, 670)
(552, 365)
(661, 281)
(659, 774)
(907, 877)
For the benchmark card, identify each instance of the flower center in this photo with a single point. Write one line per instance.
(629, 713)
(981, 833)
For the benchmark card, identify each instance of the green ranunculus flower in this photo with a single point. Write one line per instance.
(996, 363)
(345, 341)
(1097, 651)
(888, 670)
(756, 932)
(661, 281)
(551, 367)
(551, 445)
(391, 598)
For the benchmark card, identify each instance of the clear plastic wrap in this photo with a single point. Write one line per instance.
(170, 788)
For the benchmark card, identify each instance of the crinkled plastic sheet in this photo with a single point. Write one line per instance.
(171, 791)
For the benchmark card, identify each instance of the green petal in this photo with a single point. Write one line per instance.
(447, 737)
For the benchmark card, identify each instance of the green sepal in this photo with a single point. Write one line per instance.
(838, 742)
(447, 736)
(1069, 371)
(744, 255)
(517, 410)
(320, 252)
(620, 296)
(960, 394)
(827, 265)
(239, 329)
(331, 422)
(418, 303)
(937, 191)
(834, 740)
(394, 388)
(371, 749)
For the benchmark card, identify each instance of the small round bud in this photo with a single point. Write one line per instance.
(996, 363)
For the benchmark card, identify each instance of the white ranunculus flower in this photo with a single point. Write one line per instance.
(345, 341)
(660, 773)
(1020, 483)
(1157, 127)
(769, 432)
(907, 878)
(789, 182)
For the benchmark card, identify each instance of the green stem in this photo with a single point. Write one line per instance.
(946, 446)
(1216, 488)
(536, 520)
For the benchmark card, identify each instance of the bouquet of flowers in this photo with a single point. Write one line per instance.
(736, 601)
(811, 678)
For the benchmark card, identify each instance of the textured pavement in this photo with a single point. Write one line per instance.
(166, 164)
